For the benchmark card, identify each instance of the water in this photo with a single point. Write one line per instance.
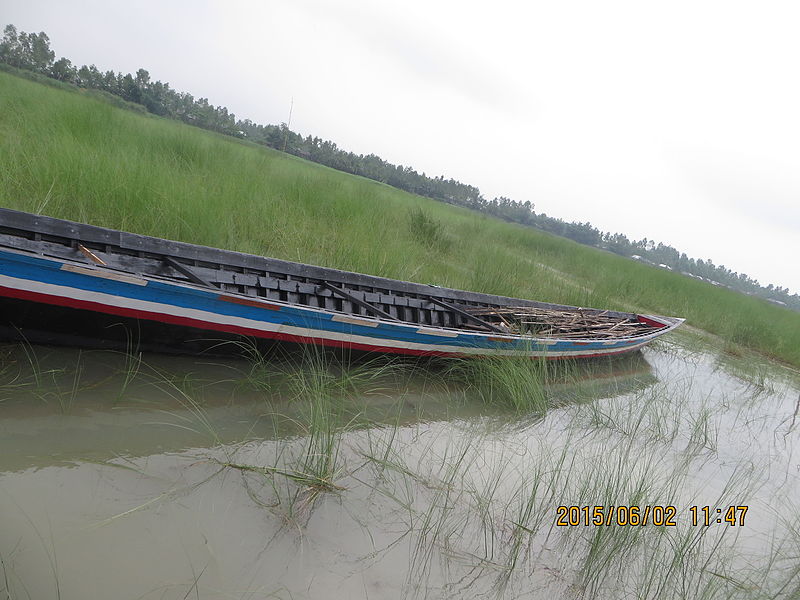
(164, 477)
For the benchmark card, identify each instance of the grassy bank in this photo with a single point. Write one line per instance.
(70, 155)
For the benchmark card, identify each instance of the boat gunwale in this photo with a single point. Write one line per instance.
(133, 242)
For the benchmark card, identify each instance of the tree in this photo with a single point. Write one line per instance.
(41, 56)
(30, 51)
(90, 77)
(129, 90)
(10, 50)
(109, 83)
(64, 71)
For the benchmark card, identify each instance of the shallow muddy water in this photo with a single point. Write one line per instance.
(164, 477)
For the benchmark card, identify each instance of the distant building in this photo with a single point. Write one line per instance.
(663, 266)
(774, 301)
(636, 257)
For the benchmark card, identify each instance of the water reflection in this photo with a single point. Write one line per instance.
(60, 406)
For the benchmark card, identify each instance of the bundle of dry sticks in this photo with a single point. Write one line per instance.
(576, 323)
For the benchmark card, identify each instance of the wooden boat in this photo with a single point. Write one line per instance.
(69, 283)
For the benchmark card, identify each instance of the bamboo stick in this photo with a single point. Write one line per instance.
(569, 324)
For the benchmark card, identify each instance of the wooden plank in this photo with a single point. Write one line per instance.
(355, 320)
(438, 332)
(104, 274)
(358, 301)
(465, 314)
(186, 271)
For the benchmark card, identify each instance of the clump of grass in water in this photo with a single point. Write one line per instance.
(320, 391)
(322, 387)
(264, 373)
(46, 384)
(784, 571)
(133, 363)
(752, 370)
(518, 383)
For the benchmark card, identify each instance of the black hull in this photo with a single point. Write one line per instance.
(49, 325)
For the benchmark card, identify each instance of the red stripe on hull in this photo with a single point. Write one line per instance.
(198, 324)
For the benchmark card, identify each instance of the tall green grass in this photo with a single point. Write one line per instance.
(517, 383)
(70, 155)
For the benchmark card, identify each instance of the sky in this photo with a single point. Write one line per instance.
(675, 121)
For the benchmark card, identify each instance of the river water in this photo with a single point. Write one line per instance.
(172, 477)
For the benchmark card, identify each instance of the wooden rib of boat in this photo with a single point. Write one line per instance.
(69, 283)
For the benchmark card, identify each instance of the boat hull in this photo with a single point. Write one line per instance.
(51, 300)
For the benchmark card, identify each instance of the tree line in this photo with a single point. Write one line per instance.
(31, 52)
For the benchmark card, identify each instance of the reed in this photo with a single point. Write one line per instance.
(517, 383)
(467, 504)
(318, 397)
(23, 373)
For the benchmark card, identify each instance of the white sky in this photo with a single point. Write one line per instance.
(676, 121)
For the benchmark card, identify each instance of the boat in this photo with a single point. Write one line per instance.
(68, 283)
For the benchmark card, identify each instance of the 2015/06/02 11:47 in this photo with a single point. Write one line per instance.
(658, 515)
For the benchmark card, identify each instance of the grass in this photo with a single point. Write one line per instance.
(427, 230)
(489, 517)
(73, 156)
(318, 398)
(518, 383)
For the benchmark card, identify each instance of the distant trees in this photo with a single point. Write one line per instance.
(31, 52)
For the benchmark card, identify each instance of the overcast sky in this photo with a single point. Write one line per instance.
(676, 121)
